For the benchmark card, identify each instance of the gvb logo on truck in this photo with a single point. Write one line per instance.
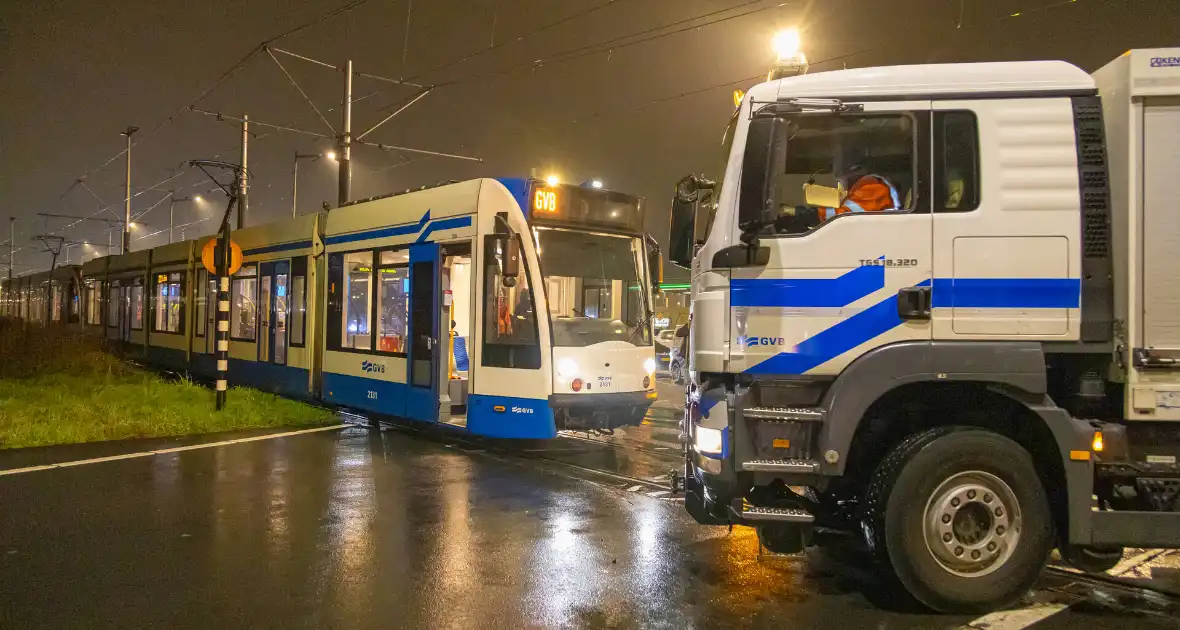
(751, 341)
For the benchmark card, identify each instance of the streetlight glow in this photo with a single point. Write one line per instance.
(552, 180)
(595, 183)
(787, 43)
(198, 198)
(331, 155)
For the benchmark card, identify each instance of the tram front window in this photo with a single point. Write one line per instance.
(594, 286)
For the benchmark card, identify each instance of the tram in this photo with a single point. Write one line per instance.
(507, 308)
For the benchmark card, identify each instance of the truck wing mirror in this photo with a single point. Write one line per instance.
(683, 228)
(655, 263)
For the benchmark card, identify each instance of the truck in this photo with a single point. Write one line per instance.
(938, 307)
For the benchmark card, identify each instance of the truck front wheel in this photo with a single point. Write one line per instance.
(961, 518)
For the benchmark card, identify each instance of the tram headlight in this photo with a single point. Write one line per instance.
(708, 441)
(566, 369)
(649, 365)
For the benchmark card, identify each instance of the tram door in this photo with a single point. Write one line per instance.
(422, 402)
(272, 311)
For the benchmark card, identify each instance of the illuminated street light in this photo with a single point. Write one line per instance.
(552, 180)
(198, 198)
(595, 183)
(331, 155)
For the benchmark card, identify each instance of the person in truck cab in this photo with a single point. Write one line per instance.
(866, 193)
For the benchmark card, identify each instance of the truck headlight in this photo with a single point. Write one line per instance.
(566, 369)
(708, 441)
(649, 365)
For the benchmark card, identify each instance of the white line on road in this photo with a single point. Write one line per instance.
(1015, 619)
(165, 451)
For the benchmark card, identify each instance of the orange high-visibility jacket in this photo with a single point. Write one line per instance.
(871, 193)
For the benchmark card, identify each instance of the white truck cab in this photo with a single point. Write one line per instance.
(944, 299)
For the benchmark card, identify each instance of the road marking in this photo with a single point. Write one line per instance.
(165, 451)
(634, 488)
(1014, 619)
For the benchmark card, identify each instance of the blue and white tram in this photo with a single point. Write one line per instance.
(507, 308)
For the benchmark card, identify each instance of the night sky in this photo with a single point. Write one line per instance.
(74, 74)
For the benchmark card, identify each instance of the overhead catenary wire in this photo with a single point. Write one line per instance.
(519, 38)
(218, 82)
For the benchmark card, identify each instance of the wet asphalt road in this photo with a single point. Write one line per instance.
(387, 529)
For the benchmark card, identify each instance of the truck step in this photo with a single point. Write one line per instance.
(802, 466)
(787, 515)
(784, 414)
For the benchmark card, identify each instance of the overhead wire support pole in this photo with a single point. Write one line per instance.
(11, 245)
(243, 177)
(399, 110)
(344, 155)
(127, 207)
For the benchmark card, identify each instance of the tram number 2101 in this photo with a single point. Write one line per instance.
(372, 395)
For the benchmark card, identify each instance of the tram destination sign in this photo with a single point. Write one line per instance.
(566, 204)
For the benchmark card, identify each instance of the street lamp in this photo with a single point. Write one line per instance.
(331, 155)
(790, 60)
(552, 180)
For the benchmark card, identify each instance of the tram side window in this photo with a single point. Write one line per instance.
(113, 299)
(350, 301)
(201, 299)
(393, 290)
(56, 296)
(168, 303)
(298, 299)
(509, 319)
(244, 304)
(93, 290)
(137, 305)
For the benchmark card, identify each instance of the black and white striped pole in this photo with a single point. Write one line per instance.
(223, 254)
(222, 266)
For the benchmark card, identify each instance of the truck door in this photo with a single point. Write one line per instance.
(855, 277)
(1005, 180)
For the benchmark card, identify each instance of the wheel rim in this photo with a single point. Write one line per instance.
(972, 523)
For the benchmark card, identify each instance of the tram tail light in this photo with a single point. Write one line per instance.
(576, 384)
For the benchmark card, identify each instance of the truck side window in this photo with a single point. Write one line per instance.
(956, 162)
(851, 164)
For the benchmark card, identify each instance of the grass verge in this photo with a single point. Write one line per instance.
(92, 396)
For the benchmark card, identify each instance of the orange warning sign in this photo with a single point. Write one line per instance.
(208, 253)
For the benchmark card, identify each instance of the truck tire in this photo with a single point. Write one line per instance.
(1091, 559)
(958, 515)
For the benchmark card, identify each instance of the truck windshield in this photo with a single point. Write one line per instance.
(594, 286)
